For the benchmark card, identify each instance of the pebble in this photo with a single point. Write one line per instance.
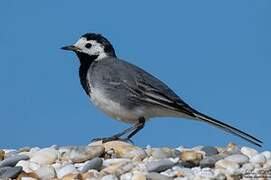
(267, 154)
(3, 169)
(33, 165)
(123, 149)
(10, 152)
(221, 176)
(123, 161)
(197, 148)
(206, 173)
(162, 153)
(248, 166)
(110, 177)
(109, 162)
(135, 154)
(238, 158)
(209, 150)
(208, 162)
(72, 176)
(13, 160)
(225, 164)
(158, 166)
(95, 163)
(157, 176)
(118, 169)
(2, 154)
(30, 176)
(84, 153)
(45, 156)
(267, 165)
(64, 152)
(10, 172)
(46, 172)
(126, 176)
(91, 174)
(249, 151)
(139, 176)
(24, 149)
(191, 156)
(258, 159)
(65, 170)
(232, 149)
(25, 165)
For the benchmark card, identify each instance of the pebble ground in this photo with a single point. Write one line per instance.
(117, 160)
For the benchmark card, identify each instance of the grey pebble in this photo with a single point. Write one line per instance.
(13, 160)
(209, 150)
(221, 176)
(3, 169)
(157, 176)
(187, 164)
(160, 154)
(95, 163)
(11, 172)
(158, 166)
(238, 158)
(209, 161)
(84, 153)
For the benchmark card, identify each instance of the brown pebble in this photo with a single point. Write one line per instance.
(191, 156)
(30, 175)
(2, 154)
(73, 176)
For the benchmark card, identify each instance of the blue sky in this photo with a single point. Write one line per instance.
(214, 54)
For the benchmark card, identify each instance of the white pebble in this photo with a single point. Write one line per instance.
(25, 165)
(196, 170)
(46, 172)
(67, 169)
(258, 159)
(248, 166)
(33, 151)
(267, 154)
(127, 176)
(45, 156)
(34, 166)
(238, 158)
(28, 178)
(249, 151)
(226, 164)
(109, 177)
(206, 173)
(109, 162)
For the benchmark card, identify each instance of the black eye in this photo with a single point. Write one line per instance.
(88, 45)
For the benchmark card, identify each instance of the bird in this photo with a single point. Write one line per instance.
(128, 93)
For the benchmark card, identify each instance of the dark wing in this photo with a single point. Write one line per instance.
(150, 89)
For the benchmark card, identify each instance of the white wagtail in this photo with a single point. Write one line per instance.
(130, 94)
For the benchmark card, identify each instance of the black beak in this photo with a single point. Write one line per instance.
(71, 48)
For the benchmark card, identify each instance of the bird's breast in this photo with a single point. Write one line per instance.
(112, 108)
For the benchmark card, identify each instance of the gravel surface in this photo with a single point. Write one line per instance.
(117, 160)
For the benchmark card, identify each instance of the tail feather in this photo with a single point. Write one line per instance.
(228, 128)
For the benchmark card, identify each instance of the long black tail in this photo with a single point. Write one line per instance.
(228, 128)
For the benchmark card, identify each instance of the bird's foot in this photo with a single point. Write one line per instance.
(112, 138)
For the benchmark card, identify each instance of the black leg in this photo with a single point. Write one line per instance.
(134, 130)
(139, 126)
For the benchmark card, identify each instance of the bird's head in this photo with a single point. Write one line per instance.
(92, 46)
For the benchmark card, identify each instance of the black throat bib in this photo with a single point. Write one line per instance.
(85, 62)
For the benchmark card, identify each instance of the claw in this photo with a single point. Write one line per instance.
(113, 138)
(96, 139)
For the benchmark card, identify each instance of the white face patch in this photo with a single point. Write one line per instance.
(91, 47)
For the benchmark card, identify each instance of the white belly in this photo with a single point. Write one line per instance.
(114, 109)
